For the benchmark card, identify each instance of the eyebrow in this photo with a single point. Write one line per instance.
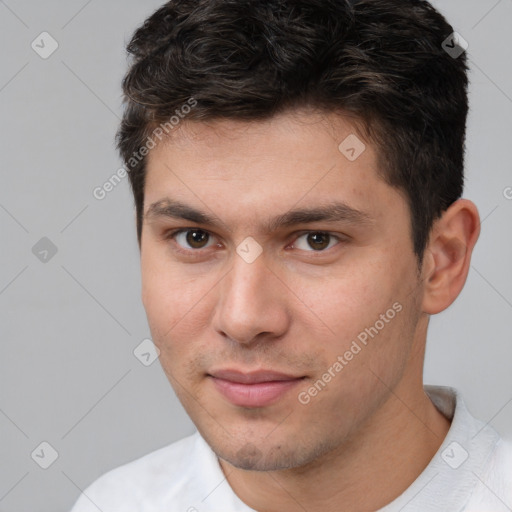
(331, 212)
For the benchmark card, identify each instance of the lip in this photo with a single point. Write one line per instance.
(254, 377)
(253, 389)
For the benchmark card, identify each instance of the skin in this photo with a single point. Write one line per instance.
(296, 309)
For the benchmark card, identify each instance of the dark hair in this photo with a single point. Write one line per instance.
(382, 61)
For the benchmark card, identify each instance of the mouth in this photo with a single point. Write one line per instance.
(253, 389)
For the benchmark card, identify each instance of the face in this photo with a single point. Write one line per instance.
(277, 328)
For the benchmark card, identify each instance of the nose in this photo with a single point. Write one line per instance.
(252, 303)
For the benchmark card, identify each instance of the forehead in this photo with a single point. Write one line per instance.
(295, 132)
(277, 165)
(294, 145)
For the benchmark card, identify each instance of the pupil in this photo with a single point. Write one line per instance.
(316, 239)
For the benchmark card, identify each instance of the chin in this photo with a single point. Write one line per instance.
(252, 459)
(262, 457)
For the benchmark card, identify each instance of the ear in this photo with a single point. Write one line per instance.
(448, 255)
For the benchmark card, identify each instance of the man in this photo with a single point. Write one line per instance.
(297, 169)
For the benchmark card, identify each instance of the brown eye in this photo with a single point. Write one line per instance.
(192, 238)
(318, 241)
(315, 241)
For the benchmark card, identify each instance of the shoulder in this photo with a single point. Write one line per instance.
(494, 484)
(152, 476)
(500, 466)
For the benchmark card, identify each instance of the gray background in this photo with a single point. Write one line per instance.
(69, 325)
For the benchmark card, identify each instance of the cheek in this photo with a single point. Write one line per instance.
(176, 305)
(347, 302)
(369, 312)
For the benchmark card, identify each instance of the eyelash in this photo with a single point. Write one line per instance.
(170, 235)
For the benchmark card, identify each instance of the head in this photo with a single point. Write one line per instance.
(312, 154)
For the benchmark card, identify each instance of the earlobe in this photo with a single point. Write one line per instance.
(448, 255)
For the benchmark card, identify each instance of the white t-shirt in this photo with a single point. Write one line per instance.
(471, 472)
